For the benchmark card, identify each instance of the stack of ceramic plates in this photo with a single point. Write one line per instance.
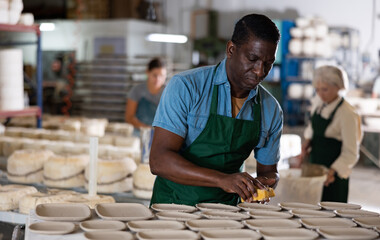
(4, 14)
(10, 11)
(11, 80)
(296, 91)
(15, 9)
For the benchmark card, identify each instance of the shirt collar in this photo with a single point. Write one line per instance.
(221, 78)
(334, 103)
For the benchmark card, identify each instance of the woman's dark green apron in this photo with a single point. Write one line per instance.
(223, 145)
(325, 151)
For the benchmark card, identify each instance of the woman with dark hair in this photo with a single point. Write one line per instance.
(143, 98)
(211, 118)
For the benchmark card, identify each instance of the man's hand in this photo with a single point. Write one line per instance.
(241, 183)
(166, 162)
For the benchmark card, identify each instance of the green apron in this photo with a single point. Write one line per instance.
(145, 111)
(325, 151)
(223, 145)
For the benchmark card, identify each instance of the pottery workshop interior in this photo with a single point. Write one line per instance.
(189, 119)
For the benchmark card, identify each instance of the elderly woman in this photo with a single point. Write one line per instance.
(334, 133)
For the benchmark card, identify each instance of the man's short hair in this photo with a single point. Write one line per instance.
(258, 25)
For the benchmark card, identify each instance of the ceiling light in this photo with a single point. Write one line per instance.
(44, 27)
(169, 38)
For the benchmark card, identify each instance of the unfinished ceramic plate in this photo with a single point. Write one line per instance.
(141, 225)
(114, 235)
(123, 211)
(229, 234)
(338, 205)
(296, 205)
(206, 224)
(177, 216)
(216, 214)
(159, 207)
(271, 223)
(353, 213)
(377, 228)
(52, 228)
(269, 214)
(368, 222)
(306, 213)
(288, 234)
(258, 206)
(63, 211)
(314, 223)
(167, 234)
(348, 233)
(102, 225)
(217, 206)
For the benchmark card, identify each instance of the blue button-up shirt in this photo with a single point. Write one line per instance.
(185, 104)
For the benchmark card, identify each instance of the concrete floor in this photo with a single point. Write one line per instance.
(365, 187)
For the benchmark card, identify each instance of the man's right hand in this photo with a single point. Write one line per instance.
(241, 183)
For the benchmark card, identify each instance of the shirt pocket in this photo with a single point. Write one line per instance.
(263, 138)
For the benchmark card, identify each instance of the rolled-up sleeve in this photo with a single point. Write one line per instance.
(351, 138)
(173, 108)
(268, 150)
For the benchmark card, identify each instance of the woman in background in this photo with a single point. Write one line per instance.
(334, 133)
(143, 98)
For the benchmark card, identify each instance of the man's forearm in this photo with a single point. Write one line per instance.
(271, 175)
(176, 168)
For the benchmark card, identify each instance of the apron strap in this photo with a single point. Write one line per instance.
(256, 108)
(336, 108)
(214, 98)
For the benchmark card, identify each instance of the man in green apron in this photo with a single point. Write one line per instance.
(210, 119)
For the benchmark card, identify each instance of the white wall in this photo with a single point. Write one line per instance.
(79, 36)
(70, 35)
(349, 13)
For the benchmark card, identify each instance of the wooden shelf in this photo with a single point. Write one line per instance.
(20, 28)
(29, 111)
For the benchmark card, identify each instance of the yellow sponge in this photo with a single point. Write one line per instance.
(263, 194)
(271, 192)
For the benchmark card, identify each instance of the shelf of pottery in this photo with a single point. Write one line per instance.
(102, 85)
(309, 46)
(59, 158)
(12, 102)
(11, 61)
(297, 88)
